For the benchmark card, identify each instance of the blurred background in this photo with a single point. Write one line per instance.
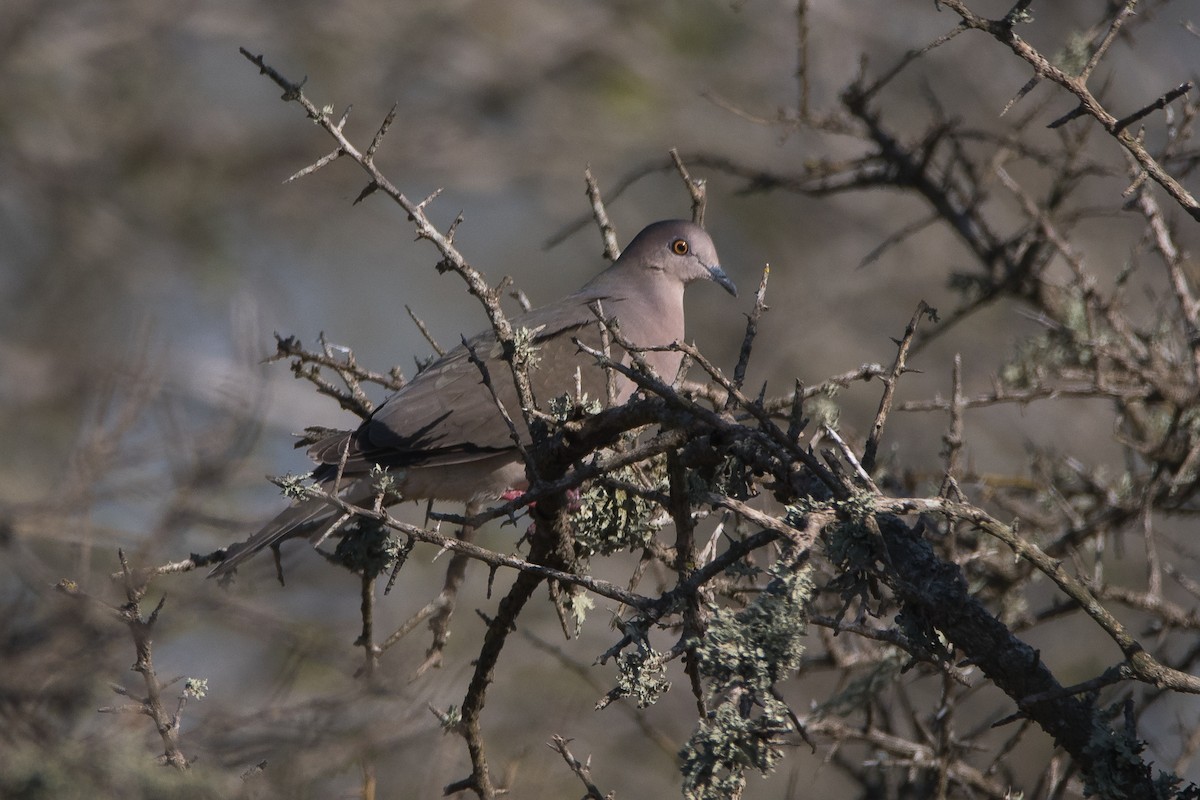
(149, 248)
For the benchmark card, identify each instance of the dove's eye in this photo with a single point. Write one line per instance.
(679, 247)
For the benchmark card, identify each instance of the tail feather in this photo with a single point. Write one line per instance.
(308, 518)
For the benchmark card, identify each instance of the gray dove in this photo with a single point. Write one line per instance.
(441, 435)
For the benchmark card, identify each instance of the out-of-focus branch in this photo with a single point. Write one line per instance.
(1002, 31)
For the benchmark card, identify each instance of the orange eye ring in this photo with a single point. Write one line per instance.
(679, 247)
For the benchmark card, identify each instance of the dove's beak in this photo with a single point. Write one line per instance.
(719, 277)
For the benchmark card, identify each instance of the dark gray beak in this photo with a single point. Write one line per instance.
(721, 279)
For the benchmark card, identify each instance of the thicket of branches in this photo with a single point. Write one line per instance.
(761, 547)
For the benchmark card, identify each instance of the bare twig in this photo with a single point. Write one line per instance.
(695, 186)
(1088, 104)
(582, 770)
(891, 381)
(612, 250)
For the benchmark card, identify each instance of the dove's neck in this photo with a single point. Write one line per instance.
(649, 307)
(650, 291)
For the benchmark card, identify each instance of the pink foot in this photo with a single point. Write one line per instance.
(572, 498)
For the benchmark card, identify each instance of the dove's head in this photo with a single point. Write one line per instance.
(680, 250)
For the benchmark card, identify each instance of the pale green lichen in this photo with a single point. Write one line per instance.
(579, 604)
(294, 487)
(849, 543)
(1117, 769)
(716, 758)
(742, 656)
(525, 349)
(760, 644)
(611, 518)
(385, 485)
(642, 675)
(566, 407)
(367, 548)
(451, 719)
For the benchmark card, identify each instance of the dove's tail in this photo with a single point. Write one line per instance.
(308, 518)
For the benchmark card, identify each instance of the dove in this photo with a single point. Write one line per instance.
(442, 437)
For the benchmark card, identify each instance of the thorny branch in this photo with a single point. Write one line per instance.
(917, 561)
(1003, 32)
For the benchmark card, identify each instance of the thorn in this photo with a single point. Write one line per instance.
(316, 165)
(367, 191)
(421, 205)
(383, 129)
